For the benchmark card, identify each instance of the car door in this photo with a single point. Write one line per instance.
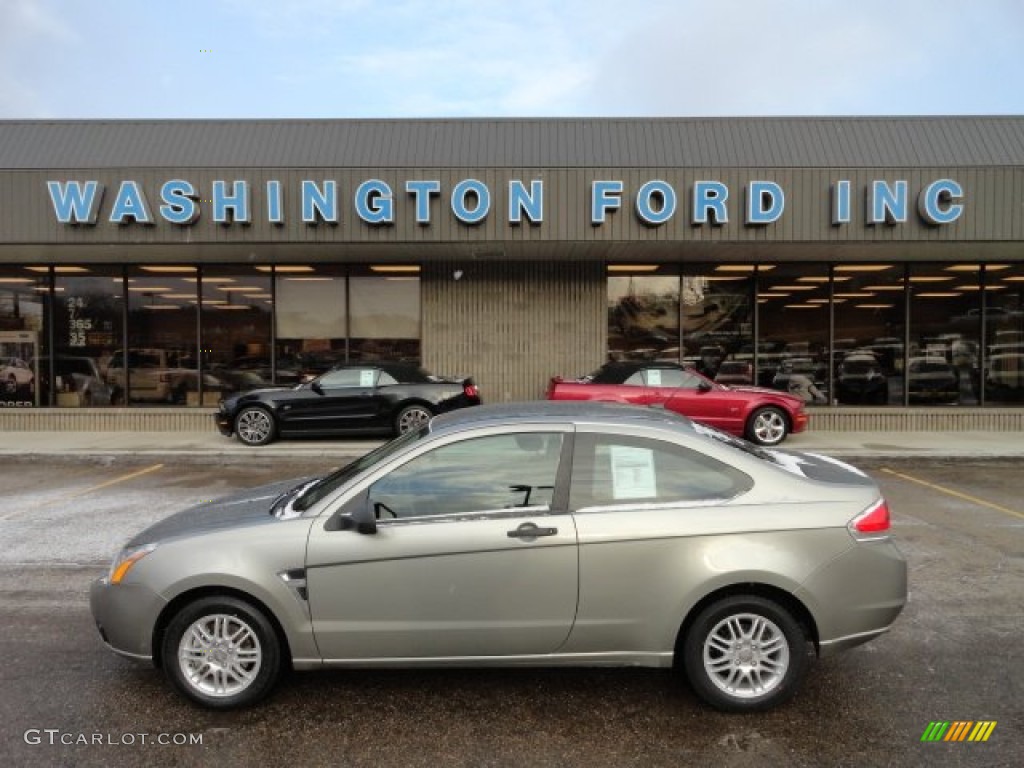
(474, 555)
(648, 514)
(681, 391)
(337, 401)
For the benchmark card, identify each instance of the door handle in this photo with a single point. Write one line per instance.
(530, 531)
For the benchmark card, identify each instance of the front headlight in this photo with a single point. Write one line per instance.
(125, 560)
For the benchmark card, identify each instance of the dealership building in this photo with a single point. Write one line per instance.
(878, 263)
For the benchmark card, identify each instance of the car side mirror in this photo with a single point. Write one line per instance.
(356, 515)
(315, 386)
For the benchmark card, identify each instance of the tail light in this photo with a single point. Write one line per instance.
(873, 523)
(469, 389)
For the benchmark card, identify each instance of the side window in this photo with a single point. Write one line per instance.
(664, 377)
(386, 380)
(349, 377)
(482, 474)
(615, 470)
(689, 380)
(636, 380)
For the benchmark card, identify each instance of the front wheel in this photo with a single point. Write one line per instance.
(767, 426)
(221, 652)
(255, 426)
(412, 417)
(745, 654)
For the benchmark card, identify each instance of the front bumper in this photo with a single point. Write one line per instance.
(125, 616)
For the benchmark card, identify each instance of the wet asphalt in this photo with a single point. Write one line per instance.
(956, 653)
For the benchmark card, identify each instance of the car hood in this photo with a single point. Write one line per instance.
(251, 507)
(816, 466)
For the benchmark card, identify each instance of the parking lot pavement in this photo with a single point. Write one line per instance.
(953, 655)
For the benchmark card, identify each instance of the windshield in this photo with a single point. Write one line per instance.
(328, 484)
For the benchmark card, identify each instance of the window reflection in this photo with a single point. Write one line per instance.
(718, 321)
(945, 321)
(88, 322)
(161, 366)
(236, 316)
(643, 314)
(495, 473)
(793, 319)
(24, 297)
(312, 320)
(1004, 334)
(868, 351)
(384, 312)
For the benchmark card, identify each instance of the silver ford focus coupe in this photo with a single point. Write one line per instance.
(540, 534)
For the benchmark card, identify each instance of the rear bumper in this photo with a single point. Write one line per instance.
(856, 596)
(224, 425)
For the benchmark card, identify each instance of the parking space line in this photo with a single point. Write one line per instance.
(76, 494)
(951, 492)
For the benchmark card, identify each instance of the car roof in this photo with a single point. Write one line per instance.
(557, 412)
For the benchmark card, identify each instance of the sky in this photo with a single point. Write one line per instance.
(67, 59)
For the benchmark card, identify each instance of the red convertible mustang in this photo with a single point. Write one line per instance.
(763, 416)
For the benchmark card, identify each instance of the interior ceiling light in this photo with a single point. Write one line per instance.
(767, 295)
(883, 287)
(976, 267)
(802, 306)
(395, 268)
(285, 268)
(20, 280)
(149, 288)
(814, 279)
(855, 295)
(937, 295)
(931, 278)
(209, 279)
(59, 270)
(632, 267)
(309, 279)
(873, 306)
(1011, 279)
(239, 288)
(169, 270)
(188, 296)
(742, 267)
(863, 267)
(795, 287)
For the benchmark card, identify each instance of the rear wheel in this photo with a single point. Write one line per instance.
(221, 652)
(767, 426)
(412, 417)
(745, 654)
(255, 426)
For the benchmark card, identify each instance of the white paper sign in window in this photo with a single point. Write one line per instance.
(633, 474)
(654, 378)
(366, 378)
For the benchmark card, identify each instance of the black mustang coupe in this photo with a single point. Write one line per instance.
(379, 397)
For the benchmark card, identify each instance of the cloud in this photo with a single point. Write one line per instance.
(792, 57)
(29, 32)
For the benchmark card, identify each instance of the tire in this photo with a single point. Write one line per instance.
(767, 426)
(221, 652)
(412, 417)
(727, 660)
(255, 426)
